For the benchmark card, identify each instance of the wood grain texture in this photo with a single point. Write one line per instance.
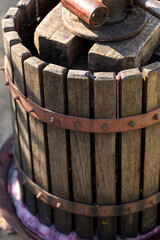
(54, 42)
(105, 151)
(8, 25)
(10, 39)
(19, 54)
(151, 74)
(121, 55)
(33, 68)
(54, 79)
(130, 147)
(12, 13)
(27, 22)
(79, 105)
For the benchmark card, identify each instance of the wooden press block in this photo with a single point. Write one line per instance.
(54, 42)
(130, 53)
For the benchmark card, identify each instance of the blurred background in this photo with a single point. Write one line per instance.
(6, 232)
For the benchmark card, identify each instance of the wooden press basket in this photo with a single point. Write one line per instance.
(86, 145)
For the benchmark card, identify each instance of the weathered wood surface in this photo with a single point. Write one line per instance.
(19, 54)
(151, 74)
(105, 151)
(79, 103)
(80, 143)
(12, 13)
(130, 147)
(8, 25)
(27, 21)
(28, 8)
(33, 69)
(55, 81)
(54, 42)
(11, 38)
(134, 52)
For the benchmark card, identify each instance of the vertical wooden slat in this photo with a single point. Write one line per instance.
(130, 147)
(19, 54)
(151, 74)
(15, 14)
(54, 79)
(10, 39)
(105, 151)
(12, 13)
(27, 21)
(33, 68)
(8, 25)
(79, 105)
(44, 6)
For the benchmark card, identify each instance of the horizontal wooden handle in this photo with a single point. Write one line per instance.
(151, 6)
(93, 12)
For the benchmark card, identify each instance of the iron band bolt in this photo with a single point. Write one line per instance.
(11, 152)
(31, 110)
(58, 205)
(6, 83)
(52, 119)
(77, 124)
(104, 126)
(24, 182)
(132, 124)
(130, 210)
(90, 75)
(118, 77)
(15, 168)
(38, 19)
(156, 117)
(39, 195)
(16, 98)
(152, 202)
(82, 210)
(2, 68)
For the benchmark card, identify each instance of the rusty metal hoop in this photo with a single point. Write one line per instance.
(83, 124)
(86, 209)
(7, 209)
